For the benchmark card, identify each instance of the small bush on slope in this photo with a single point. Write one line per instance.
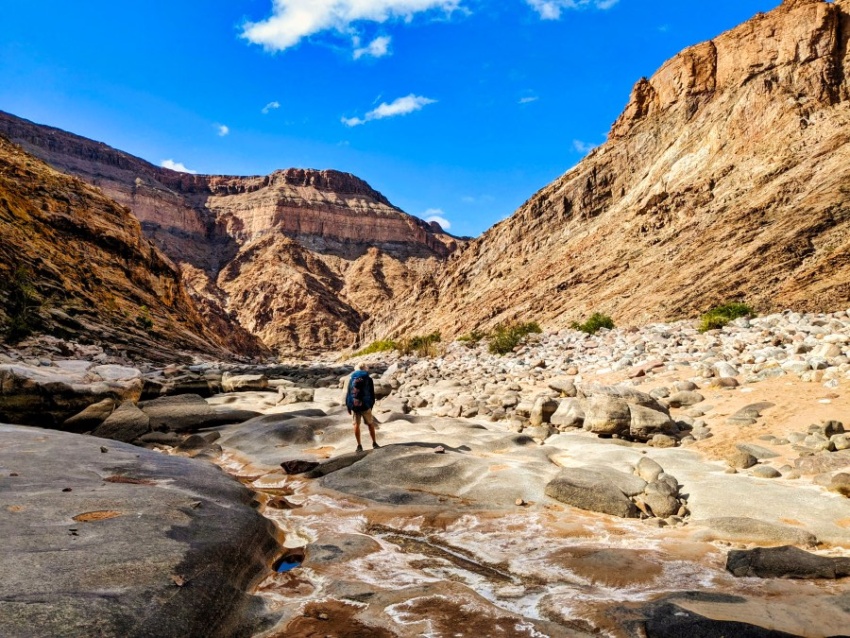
(594, 324)
(505, 337)
(719, 316)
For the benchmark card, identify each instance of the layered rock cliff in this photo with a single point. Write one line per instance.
(74, 263)
(726, 177)
(277, 253)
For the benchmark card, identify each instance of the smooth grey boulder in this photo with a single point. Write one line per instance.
(628, 484)
(623, 393)
(48, 396)
(542, 410)
(565, 386)
(753, 411)
(785, 562)
(289, 396)
(662, 441)
(89, 418)
(724, 383)
(126, 543)
(568, 415)
(751, 530)
(662, 505)
(666, 619)
(684, 386)
(646, 423)
(244, 382)
(161, 438)
(758, 451)
(439, 472)
(766, 472)
(840, 441)
(665, 485)
(685, 399)
(382, 390)
(116, 373)
(648, 469)
(592, 491)
(126, 424)
(190, 384)
(725, 370)
(840, 484)
(182, 413)
(606, 415)
(741, 460)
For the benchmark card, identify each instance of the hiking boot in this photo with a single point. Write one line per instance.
(375, 445)
(359, 448)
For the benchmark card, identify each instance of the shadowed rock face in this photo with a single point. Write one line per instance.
(299, 257)
(725, 177)
(90, 272)
(120, 541)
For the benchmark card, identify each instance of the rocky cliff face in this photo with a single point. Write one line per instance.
(278, 253)
(724, 178)
(73, 262)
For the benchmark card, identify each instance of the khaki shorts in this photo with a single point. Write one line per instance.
(367, 416)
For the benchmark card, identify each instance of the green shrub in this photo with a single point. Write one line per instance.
(144, 319)
(719, 316)
(22, 305)
(472, 339)
(384, 345)
(505, 337)
(594, 324)
(422, 346)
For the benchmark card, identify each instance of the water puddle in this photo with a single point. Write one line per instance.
(289, 561)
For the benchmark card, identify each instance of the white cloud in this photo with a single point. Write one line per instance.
(177, 166)
(401, 106)
(293, 20)
(222, 130)
(271, 106)
(583, 147)
(437, 215)
(480, 199)
(551, 9)
(528, 100)
(377, 48)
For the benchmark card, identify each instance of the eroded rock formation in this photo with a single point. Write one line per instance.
(74, 263)
(724, 178)
(281, 254)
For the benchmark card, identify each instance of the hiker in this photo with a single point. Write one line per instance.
(360, 399)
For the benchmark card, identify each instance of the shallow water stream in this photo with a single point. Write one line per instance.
(535, 570)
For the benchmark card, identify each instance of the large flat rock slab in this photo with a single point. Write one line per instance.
(714, 494)
(123, 542)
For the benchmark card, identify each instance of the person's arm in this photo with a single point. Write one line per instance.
(345, 393)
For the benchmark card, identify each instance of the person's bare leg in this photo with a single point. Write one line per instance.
(357, 429)
(371, 423)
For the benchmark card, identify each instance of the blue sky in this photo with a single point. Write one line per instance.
(460, 109)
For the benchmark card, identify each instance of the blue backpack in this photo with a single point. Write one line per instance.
(361, 394)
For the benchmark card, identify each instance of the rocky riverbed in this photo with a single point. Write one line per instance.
(653, 481)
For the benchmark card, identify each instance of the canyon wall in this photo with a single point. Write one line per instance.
(725, 178)
(276, 253)
(74, 263)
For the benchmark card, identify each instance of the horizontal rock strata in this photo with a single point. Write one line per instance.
(74, 263)
(299, 258)
(722, 179)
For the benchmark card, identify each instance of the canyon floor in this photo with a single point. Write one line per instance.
(453, 527)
